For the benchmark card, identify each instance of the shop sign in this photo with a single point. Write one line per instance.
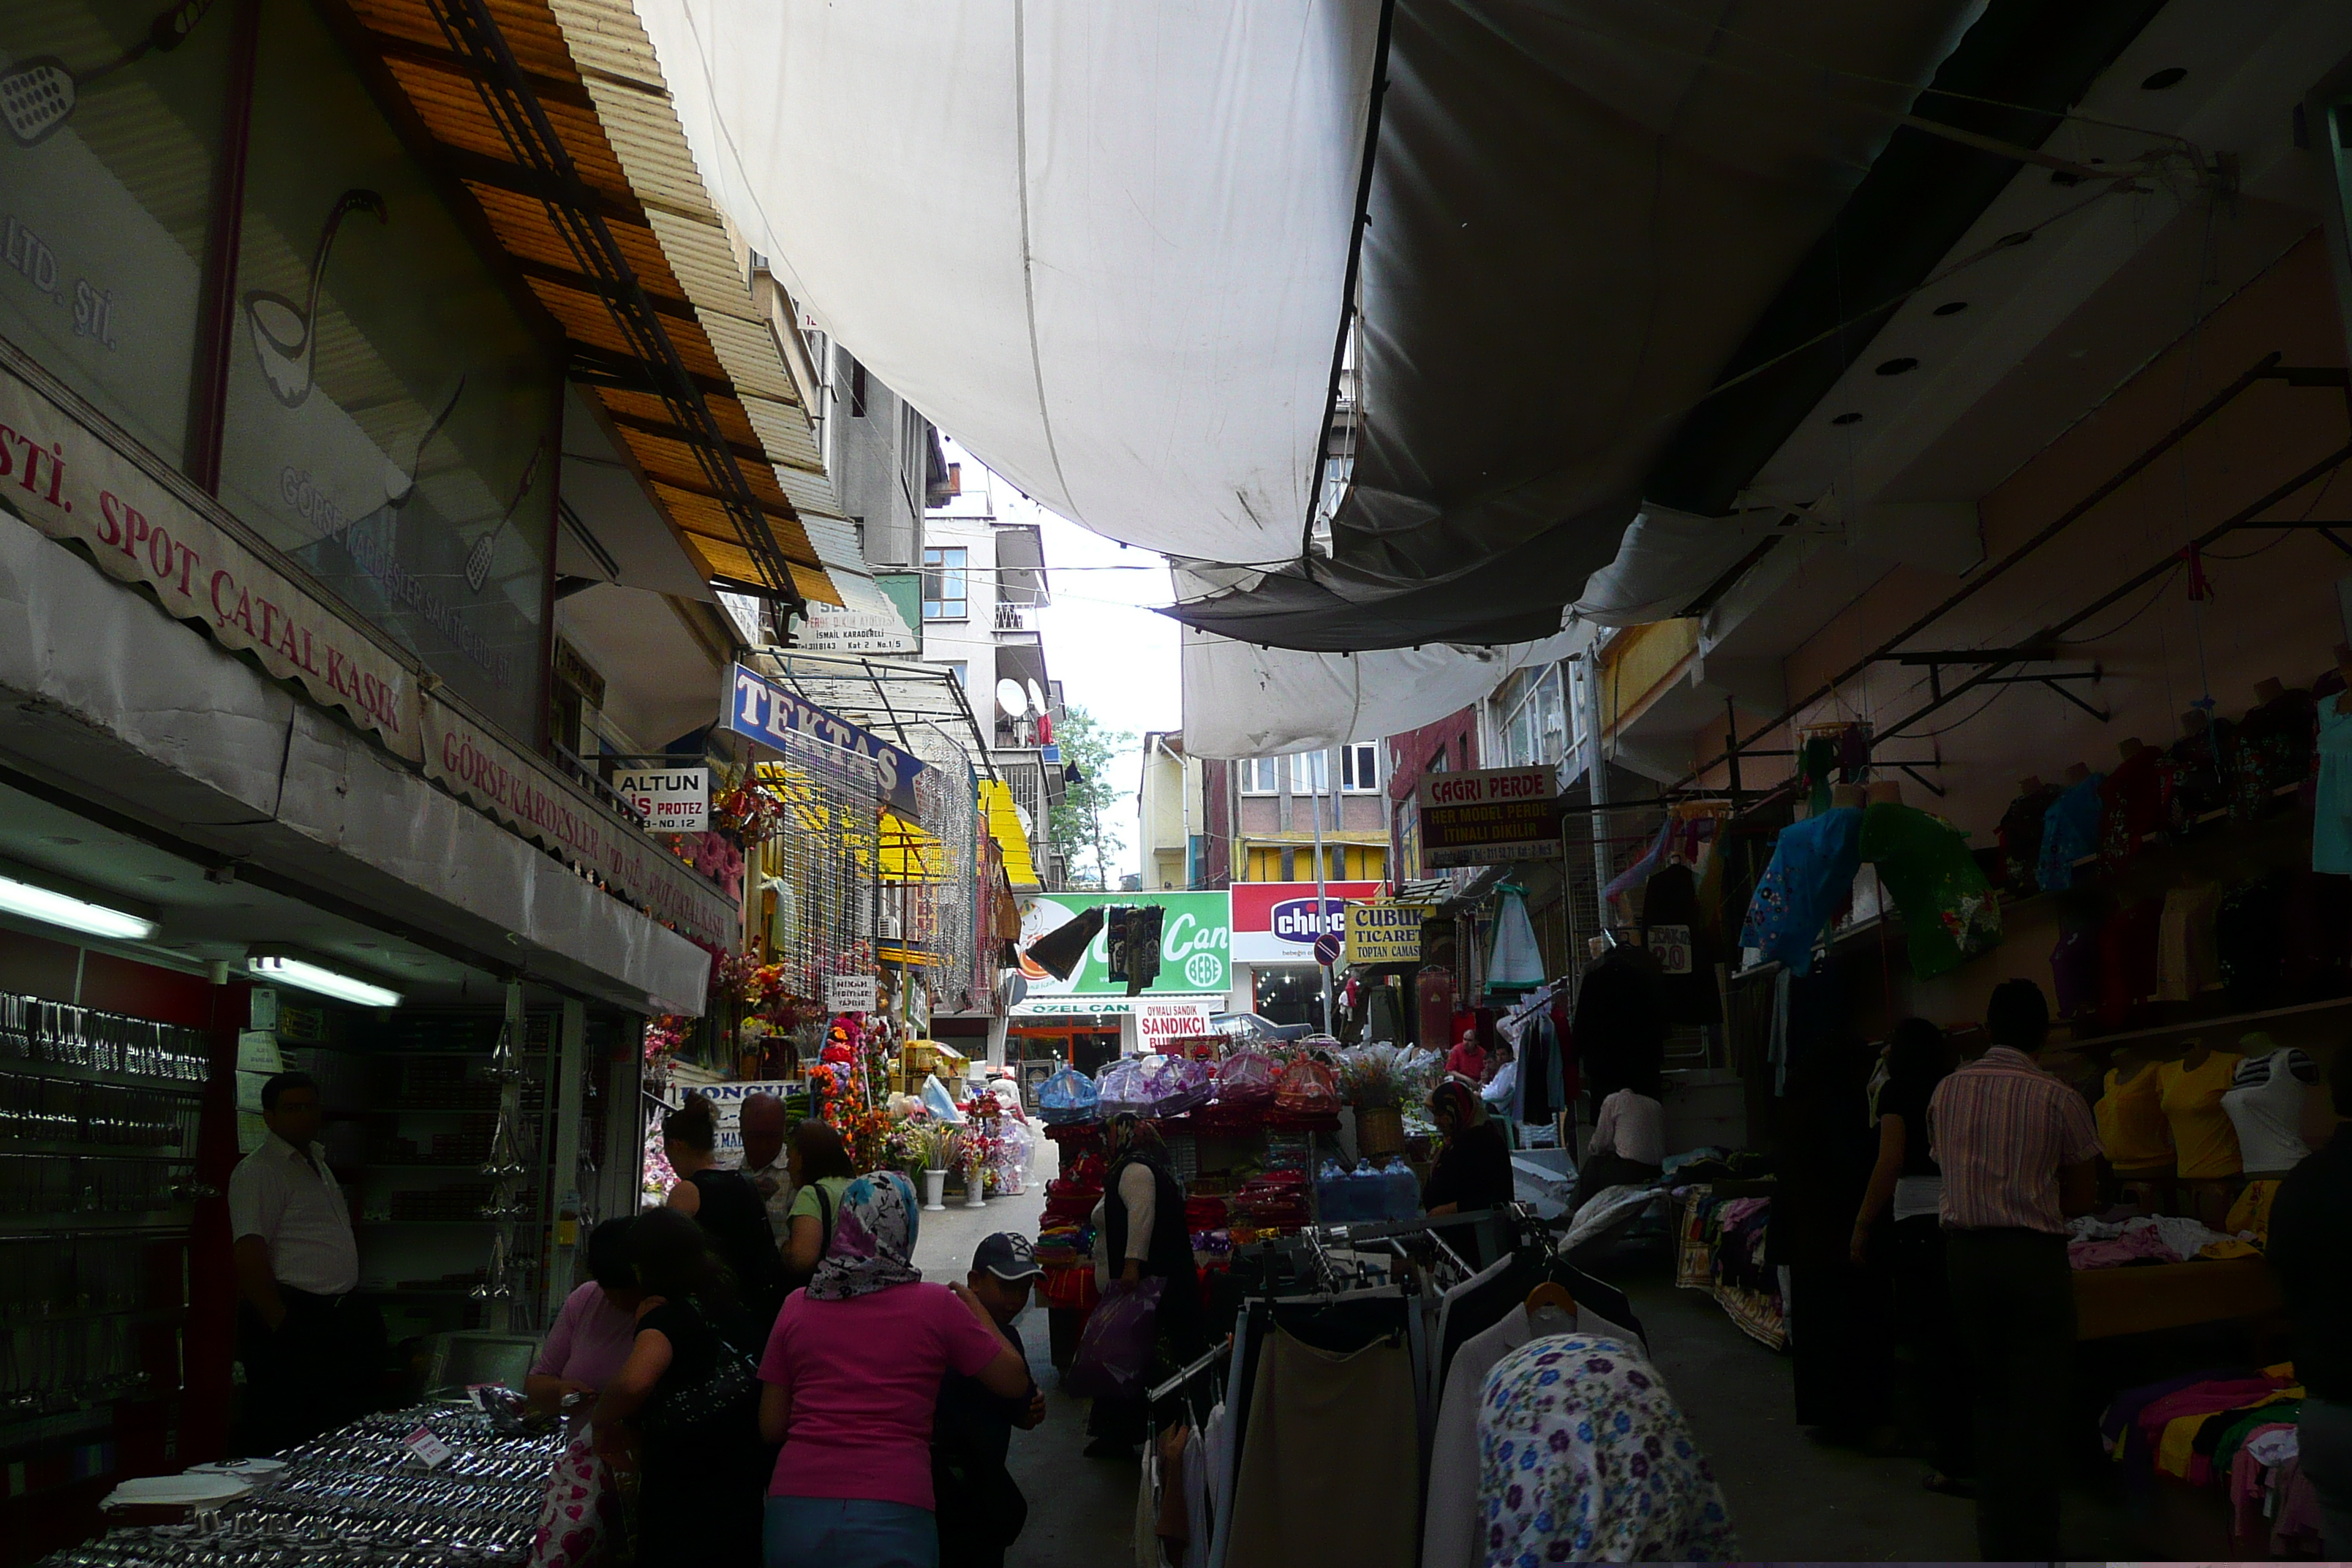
(851, 994)
(1104, 1006)
(727, 1101)
(668, 800)
(835, 628)
(758, 707)
(1194, 937)
(1489, 817)
(1276, 922)
(553, 813)
(1385, 934)
(71, 484)
(1160, 1025)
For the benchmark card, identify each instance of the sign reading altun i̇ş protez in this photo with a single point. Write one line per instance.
(1489, 817)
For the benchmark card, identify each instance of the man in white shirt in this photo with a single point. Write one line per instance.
(766, 1164)
(313, 1351)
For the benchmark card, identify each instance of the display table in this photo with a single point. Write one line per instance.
(2138, 1300)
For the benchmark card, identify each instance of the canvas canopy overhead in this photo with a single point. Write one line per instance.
(1003, 819)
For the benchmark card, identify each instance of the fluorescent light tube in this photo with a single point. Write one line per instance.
(325, 981)
(57, 909)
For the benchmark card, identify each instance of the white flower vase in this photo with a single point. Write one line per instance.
(935, 1189)
(975, 1186)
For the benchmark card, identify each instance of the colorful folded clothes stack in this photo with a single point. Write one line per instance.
(2232, 1429)
(2153, 1238)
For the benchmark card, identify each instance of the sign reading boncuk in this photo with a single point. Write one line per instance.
(758, 707)
(668, 800)
(1490, 817)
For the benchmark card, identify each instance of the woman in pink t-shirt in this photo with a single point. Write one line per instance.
(853, 1371)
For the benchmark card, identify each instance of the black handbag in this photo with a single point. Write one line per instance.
(732, 1379)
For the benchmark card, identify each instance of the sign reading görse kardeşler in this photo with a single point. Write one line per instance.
(669, 800)
(1275, 922)
(758, 707)
(1489, 817)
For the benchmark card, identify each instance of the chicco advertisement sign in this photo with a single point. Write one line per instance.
(1276, 922)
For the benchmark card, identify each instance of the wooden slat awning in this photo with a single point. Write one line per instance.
(553, 115)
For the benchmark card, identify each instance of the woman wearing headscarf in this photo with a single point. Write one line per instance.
(1144, 1237)
(1583, 1457)
(1899, 1225)
(852, 1375)
(688, 1394)
(1474, 1165)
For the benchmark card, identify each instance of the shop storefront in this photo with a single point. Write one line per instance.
(1274, 927)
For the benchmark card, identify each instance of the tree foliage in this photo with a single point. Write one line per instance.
(1077, 830)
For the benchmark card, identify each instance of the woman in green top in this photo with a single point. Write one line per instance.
(820, 1168)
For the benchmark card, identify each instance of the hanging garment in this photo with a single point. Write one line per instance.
(2264, 1103)
(2314, 938)
(1061, 949)
(1115, 944)
(1516, 961)
(2074, 963)
(1143, 926)
(1817, 771)
(2203, 1141)
(2135, 801)
(2200, 773)
(2331, 816)
(2127, 961)
(2070, 831)
(1453, 1535)
(1674, 932)
(2273, 750)
(1434, 1005)
(2019, 834)
(1621, 1016)
(1949, 913)
(1330, 1467)
(2187, 960)
(2246, 942)
(2132, 1131)
(1811, 876)
(1585, 1458)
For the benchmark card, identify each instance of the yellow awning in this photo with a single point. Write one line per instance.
(1004, 827)
(909, 853)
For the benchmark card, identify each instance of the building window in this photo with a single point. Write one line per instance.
(1262, 775)
(856, 390)
(1534, 717)
(1359, 767)
(1310, 772)
(962, 669)
(945, 597)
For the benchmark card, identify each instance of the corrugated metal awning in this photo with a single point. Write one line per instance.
(554, 117)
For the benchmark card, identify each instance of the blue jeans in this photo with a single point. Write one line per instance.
(849, 1533)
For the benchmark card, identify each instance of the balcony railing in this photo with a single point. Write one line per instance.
(1013, 618)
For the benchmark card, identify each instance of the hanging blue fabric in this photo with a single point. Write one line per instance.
(2070, 830)
(1812, 869)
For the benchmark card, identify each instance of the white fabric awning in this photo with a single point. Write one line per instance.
(1241, 701)
(1105, 246)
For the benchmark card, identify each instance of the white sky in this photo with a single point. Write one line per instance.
(1113, 657)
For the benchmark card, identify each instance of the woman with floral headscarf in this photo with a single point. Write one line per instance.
(852, 1376)
(1583, 1457)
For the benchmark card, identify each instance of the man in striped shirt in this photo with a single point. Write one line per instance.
(2018, 1151)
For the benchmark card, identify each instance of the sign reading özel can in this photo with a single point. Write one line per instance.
(1385, 934)
(669, 800)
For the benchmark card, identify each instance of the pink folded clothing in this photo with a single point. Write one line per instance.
(2124, 1248)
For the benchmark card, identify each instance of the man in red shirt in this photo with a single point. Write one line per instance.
(2018, 1152)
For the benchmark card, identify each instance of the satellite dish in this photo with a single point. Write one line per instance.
(1009, 697)
(1036, 698)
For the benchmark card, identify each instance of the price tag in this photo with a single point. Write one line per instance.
(429, 1451)
(1671, 946)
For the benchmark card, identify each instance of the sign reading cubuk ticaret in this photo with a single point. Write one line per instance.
(1489, 817)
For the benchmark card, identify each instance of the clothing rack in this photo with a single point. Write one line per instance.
(1190, 1371)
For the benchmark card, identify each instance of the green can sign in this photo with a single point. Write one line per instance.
(1195, 944)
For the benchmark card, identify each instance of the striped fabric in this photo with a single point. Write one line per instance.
(2001, 1127)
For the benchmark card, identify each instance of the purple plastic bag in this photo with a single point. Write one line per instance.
(1172, 1084)
(1114, 1347)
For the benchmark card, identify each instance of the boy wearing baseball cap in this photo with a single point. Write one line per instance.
(981, 1509)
